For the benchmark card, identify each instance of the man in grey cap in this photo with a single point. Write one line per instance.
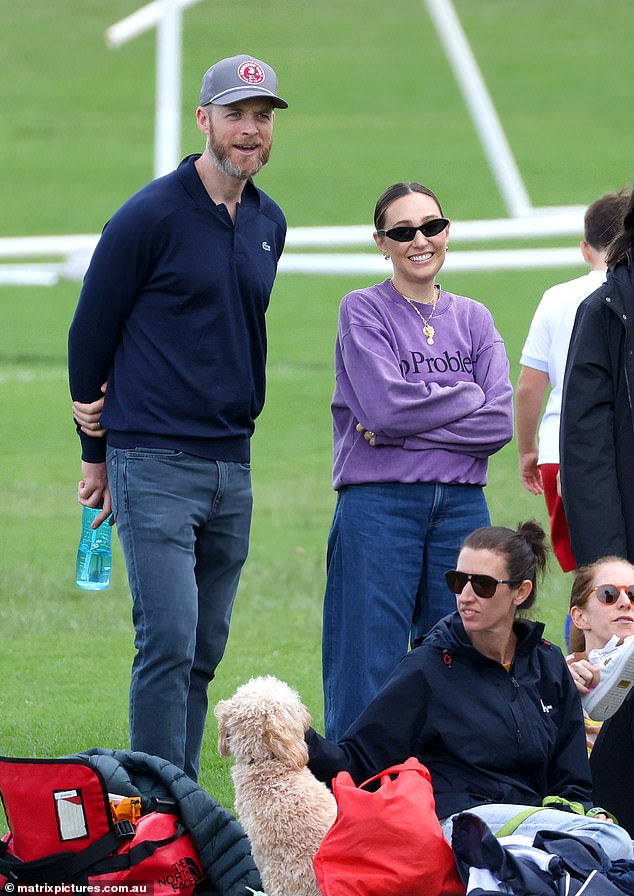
(172, 316)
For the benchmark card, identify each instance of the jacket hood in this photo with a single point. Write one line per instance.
(449, 635)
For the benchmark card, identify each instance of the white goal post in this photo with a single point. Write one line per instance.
(71, 254)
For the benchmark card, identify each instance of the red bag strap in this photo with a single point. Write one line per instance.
(410, 765)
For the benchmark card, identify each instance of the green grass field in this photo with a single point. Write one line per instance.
(371, 101)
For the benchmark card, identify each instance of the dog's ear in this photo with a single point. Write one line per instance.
(285, 742)
(221, 711)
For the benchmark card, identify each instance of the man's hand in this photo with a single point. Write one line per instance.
(89, 416)
(530, 474)
(93, 489)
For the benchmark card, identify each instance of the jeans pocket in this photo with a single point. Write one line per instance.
(111, 470)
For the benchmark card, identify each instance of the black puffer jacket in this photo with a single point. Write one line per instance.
(486, 735)
(223, 846)
(597, 423)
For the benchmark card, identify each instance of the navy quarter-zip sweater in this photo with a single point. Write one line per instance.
(486, 735)
(172, 315)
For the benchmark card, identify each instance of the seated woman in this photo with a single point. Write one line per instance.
(486, 704)
(601, 607)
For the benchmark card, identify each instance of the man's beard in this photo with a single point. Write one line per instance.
(223, 163)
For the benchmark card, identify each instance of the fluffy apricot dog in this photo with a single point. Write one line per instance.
(283, 808)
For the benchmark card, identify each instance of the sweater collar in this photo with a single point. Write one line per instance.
(189, 178)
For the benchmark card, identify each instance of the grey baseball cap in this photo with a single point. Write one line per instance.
(239, 78)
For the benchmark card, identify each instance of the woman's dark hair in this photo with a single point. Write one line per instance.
(395, 192)
(579, 593)
(524, 549)
(621, 249)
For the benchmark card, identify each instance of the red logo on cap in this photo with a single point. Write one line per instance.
(251, 72)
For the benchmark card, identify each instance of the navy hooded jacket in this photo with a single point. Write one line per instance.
(486, 735)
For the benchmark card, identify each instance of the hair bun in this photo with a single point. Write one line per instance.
(533, 532)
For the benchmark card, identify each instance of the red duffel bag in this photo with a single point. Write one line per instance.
(62, 831)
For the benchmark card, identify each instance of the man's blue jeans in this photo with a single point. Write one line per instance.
(389, 547)
(183, 523)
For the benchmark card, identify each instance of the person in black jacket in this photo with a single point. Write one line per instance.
(486, 704)
(597, 423)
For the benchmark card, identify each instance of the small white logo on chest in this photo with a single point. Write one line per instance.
(545, 708)
(266, 246)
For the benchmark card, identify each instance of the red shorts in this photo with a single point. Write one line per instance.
(558, 526)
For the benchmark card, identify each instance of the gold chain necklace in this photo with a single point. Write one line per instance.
(428, 330)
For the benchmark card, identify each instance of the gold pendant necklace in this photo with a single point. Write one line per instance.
(428, 330)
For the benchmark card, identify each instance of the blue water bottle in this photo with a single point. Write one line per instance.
(94, 556)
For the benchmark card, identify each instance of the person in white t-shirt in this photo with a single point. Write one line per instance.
(543, 362)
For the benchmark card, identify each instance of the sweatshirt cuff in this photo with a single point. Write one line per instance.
(93, 451)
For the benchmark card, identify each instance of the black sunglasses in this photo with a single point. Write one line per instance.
(609, 594)
(483, 586)
(405, 234)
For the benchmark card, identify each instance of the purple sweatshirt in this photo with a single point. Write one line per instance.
(438, 410)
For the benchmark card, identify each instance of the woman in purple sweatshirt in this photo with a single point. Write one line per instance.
(422, 399)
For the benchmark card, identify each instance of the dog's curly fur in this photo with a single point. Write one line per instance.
(283, 808)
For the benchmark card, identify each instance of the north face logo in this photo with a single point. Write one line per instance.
(184, 874)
